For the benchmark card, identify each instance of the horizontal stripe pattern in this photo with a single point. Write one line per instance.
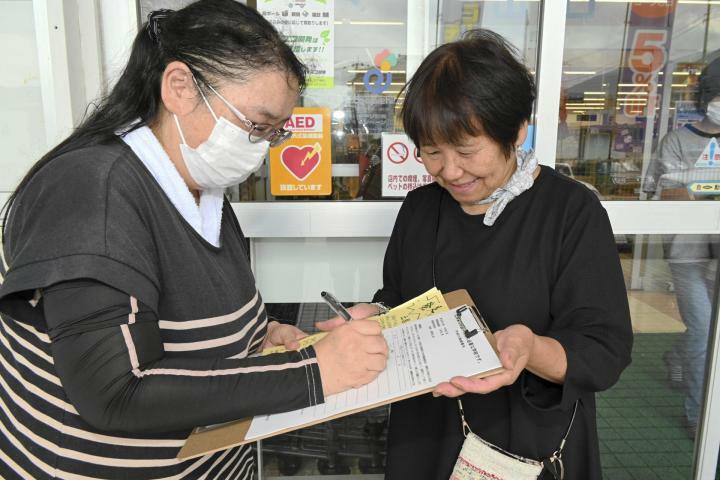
(228, 371)
(40, 336)
(31, 399)
(206, 299)
(224, 336)
(13, 353)
(39, 351)
(209, 322)
(42, 435)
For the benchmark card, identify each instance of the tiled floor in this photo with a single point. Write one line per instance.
(639, 420)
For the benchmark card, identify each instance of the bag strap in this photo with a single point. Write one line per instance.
(465, 426)
(557, 454)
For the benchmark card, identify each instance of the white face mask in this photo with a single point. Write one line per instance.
(713, 112)
(226, 158)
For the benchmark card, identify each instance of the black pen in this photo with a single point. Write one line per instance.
(336, 306)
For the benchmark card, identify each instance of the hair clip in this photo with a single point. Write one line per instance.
(153, 23)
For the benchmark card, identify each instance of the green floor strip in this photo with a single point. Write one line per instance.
(640, 420)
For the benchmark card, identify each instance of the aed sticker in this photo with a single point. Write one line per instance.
(705, 188)
(710, 157)
(302, 166)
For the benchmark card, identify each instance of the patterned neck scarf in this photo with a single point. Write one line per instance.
(520, 181)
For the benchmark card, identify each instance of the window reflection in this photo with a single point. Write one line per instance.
(631, 77)
(517, 21)
(364, 103)
(648, 420)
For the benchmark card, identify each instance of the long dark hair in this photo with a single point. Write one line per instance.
(216, 39)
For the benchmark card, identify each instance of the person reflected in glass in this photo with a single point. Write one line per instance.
(129, 312)
(687, 167)
(534, 249)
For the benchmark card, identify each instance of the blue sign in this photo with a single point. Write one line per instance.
(376, 81)
(530, 139)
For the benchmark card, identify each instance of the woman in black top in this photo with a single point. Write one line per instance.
(533, 248)
(124, 324)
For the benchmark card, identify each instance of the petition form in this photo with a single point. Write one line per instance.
(423, 353)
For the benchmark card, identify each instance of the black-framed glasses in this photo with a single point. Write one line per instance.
(257, 132)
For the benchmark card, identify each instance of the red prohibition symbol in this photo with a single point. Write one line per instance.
(397, 152)
(416, 154)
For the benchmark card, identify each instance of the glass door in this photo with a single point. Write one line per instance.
(635, 124)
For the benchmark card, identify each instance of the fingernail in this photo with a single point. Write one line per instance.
(435, 394)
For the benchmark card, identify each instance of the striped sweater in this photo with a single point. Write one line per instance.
(121, 329)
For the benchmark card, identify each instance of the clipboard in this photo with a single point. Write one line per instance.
(204, 440)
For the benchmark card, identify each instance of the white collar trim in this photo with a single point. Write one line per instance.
(206, 217)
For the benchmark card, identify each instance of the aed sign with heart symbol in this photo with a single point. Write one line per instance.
(302, 166)
(301, 161)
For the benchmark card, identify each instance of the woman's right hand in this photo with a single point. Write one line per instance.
(351, 355)
(359, 310)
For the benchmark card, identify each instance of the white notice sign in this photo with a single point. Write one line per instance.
(309, 28)
(402, 168)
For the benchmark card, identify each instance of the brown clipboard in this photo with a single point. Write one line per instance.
(203, 441)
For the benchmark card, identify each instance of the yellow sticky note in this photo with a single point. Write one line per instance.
(422, 306)
(304, 343)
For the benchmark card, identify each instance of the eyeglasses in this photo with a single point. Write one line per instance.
(257, 132)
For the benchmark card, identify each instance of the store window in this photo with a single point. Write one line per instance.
(376, 47)
(517, 21)
(367, 55)
(630, 89)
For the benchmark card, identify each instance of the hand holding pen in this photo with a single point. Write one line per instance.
(336, 306)
(359, 310)
(353, 353)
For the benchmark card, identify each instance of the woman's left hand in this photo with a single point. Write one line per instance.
(280, 334)
(515, 345)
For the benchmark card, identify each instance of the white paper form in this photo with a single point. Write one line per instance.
(422, 354)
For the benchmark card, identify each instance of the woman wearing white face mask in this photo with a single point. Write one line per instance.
(688, 155)
(128, 309)
(713, 112)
